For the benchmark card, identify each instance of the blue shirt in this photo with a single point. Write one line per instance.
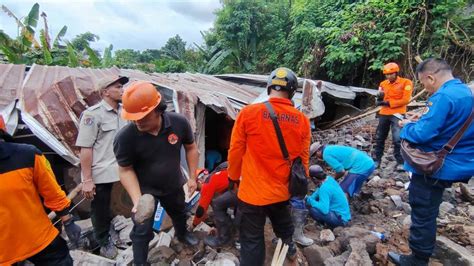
(344, 158)
(449, 108)
(330, 197)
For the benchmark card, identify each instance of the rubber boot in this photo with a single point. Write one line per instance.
(299, 218)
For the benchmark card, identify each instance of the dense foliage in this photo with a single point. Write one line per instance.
(345, 41)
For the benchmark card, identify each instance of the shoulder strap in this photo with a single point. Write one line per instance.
(455, 139)
(283, 148)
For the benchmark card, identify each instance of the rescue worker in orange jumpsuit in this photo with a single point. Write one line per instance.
(394, 96)
(255, 158)
(27, 233)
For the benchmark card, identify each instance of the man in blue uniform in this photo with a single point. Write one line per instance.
(449, 107)
(352, 164)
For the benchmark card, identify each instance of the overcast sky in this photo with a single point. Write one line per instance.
(135, 24)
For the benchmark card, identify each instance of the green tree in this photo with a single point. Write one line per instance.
(83, 40)
(174, 48)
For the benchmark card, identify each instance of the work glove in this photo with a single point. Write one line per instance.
(73, 231)
(382, 103)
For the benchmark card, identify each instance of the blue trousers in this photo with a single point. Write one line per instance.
(352, 183)
(425, 197)
(331, 219)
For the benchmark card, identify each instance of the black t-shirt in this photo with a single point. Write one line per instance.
(155, 159)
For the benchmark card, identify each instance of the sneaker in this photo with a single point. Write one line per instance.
(109, 251)
(406, 260)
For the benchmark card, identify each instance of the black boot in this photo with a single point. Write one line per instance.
(188, 238)
(407, 260)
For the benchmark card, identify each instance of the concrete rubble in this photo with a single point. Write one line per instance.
(382, 207)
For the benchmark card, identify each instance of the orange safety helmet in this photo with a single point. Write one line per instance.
(390, 68)
(139, 99)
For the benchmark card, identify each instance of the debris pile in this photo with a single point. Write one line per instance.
(380, 222)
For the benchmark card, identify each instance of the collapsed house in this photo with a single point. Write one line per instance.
(42, 106)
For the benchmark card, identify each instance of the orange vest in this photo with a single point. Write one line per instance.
(26, 176)
(255, 156)
(397, 94)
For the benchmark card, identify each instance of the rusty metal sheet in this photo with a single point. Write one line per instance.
(11, 79)
(55, 96)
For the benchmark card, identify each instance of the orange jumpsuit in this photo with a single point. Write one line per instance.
(255, 156)
(397, 94)
(26, 178)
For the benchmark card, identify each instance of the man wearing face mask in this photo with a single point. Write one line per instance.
(394, 96)
(148, 153)
(448, 108)
(99, 169)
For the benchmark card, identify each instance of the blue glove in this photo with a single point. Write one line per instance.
(73, 231)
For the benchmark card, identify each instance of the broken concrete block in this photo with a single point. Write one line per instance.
(119, 222)
(335, 247)
(337, 261)
(407, 221)
(85, 225)
(470, 211)
(225, 258)
(202, 227)
(124, 234)
(161, 254)
(450, 253)
(400, 184)
(397, 200)
(406, 207)
(316, 255)
(125, 257)
(145, 209)
(391, 192)
(326, 235)
(374, 180)
(359, 255)
(164, 239)
(467, 193)
(445, 208)
(88, 259)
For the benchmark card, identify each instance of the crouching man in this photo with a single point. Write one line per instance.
(328, 204)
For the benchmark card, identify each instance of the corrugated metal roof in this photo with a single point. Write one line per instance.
(338, 91)
(56, 96)
(11, 79)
